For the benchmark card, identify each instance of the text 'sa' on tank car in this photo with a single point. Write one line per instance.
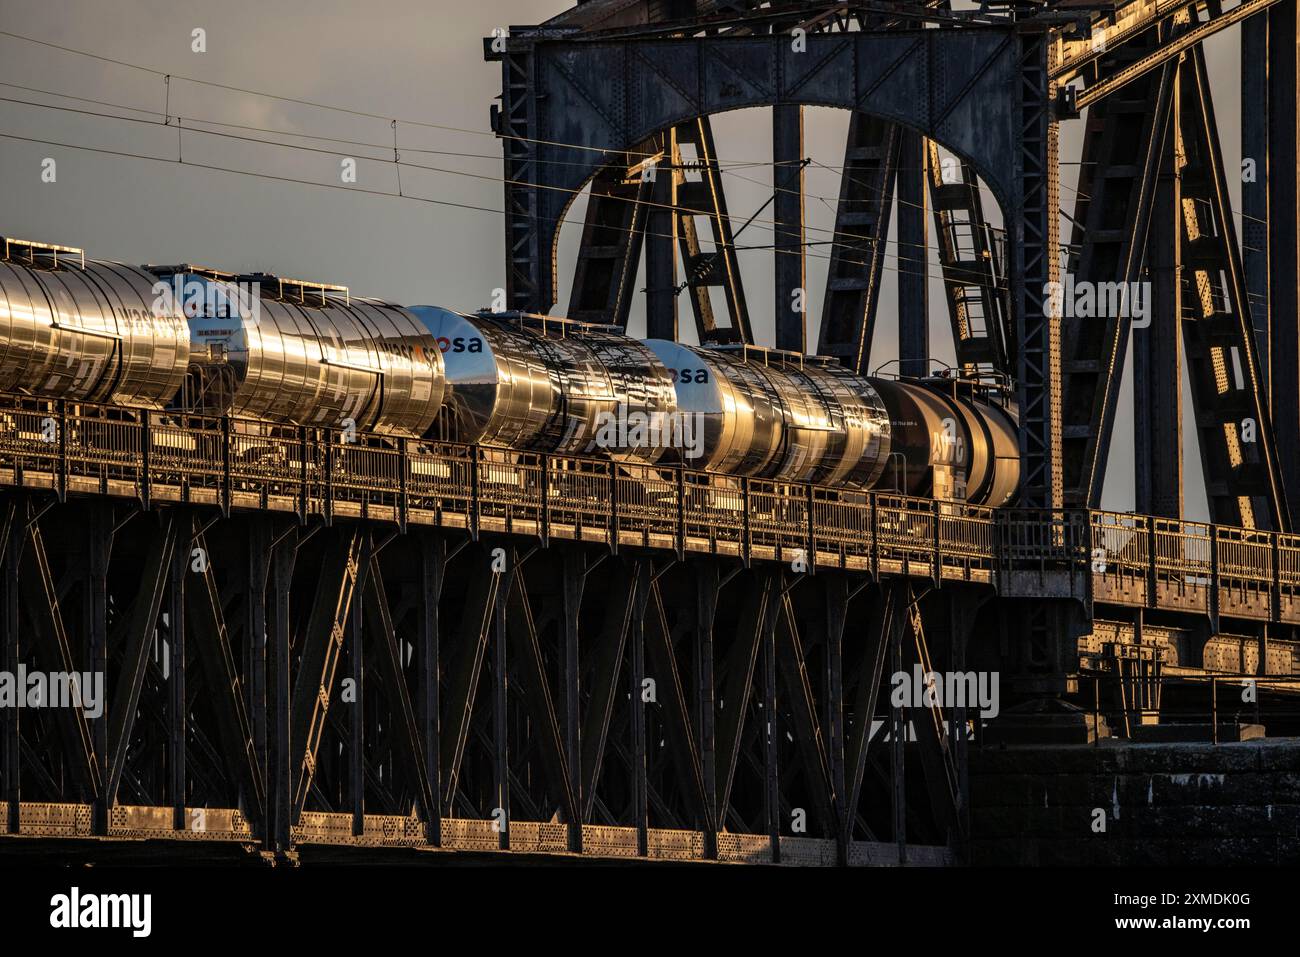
(307, 354)
(769, 414)
(498, 391)
(733, 415)
(81, 330)
(537, 383)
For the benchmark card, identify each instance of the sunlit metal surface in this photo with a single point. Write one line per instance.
(537, 389)
(948, 448)
(843, 436)
(620, 398)
(736, 410)
(498, 390)
(1004, 454)
(98, 333)
(788, 420)
(366, 364)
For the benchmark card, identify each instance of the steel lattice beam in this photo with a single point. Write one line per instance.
(861, 231)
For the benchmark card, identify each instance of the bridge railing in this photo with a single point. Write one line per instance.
(843, 530)
(714, 512)
(1041, 540)
(266, 462)
(1182, 564)
(578, 497)
(440, 483)
(229, 463)
(1288, 578)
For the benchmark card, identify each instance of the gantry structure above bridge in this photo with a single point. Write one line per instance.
(610, 87)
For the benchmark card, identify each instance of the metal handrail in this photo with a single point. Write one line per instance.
(235, 463)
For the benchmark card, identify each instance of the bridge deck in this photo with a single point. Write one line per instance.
(464, 835)
(1123, 559)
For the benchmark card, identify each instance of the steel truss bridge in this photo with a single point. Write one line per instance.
(280, 564)
(315, 639)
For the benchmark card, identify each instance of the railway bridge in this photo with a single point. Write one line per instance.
(310, 637)
(441, 646)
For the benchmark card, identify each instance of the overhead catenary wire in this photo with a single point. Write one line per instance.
(315, 104)
(281, 131)
(303, 102)
(364, 190)
(768, 225)
(167, 77)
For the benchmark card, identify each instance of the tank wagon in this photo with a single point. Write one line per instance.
(287, 352)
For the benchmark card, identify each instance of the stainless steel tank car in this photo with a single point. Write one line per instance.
(307, 355)
(87, 331)
(733, 411)
(837, 428)
(497, 391)
(778, 415)
(540, 384)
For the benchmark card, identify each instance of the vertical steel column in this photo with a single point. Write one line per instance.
(176, 707)
(530, 282)
(706, 584)
(574, 580)
(771, 779)
(837, 609)
(259, 560)
(99, 544)
(788, 237)
(1032, 234)
(279, 785)
(970, 261)
(702, 200)
(1243, 478)
(961, 613)
(661, 247)
(857, 260)
(913, 256)
(1112, 211)
(433, 565)
(1157, 348)
(1283, 352)
(609, 253)
(640, 784)
(1255, 109)
(898, 724)
(500, 725)
(11, 764)
(357, 713)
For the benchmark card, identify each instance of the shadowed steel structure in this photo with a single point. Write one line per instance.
(314, 639)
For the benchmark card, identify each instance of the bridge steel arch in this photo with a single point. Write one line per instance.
(571, 105)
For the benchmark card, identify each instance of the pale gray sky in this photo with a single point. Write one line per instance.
(410, 59)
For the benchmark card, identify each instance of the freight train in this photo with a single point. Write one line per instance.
(257, 347)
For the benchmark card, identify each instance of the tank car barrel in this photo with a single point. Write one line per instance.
(793, 422)
(359, 363)
(949, 447)
(96, 332)
(529, 387)
(310, 355)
